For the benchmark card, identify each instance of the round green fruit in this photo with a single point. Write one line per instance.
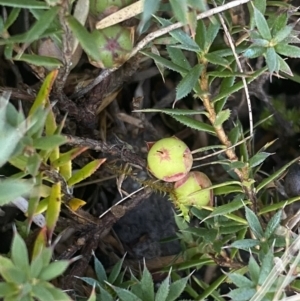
(169, 159)
(98, 7)
(114, 44)
(188, 190)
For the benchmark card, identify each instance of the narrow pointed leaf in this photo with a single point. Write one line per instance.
(188, 82)
(273, 224)
(39, 60)
(54, 269)
(163, 290)
(262, 24)
(147, 285)
(222, 117)
(24, 4)
(13, 188)
(195, 124)
(86, 39)
(100, 271)
(272, 60)
(240, 280)
(68, 156)
(178, 58)
(254, 223)
(258, 158)
(85, 172)
(266, 267)
(44, 92)
(241, 294)
(115, 271)
(176, 288)
(125, 295)
(168, 64)
(49, 142)
(288, 50)
(254, 270)
(19, 254)
(53, 208)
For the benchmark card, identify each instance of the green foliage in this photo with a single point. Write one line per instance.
(25, 280)
(112, 286)
(245, 217)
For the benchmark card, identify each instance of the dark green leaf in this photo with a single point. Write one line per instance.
(49, 142)
(115, 271)
(24, 3)
(200, 34)
(226, 73)
(258, 159)
(222, 117)
(163, 290)
(262, 24)
(105, 295)
(254, 270)
(195, 124)
(275, 175)
(240, 280)
(54, 269)
(173, 111)
(19, 254)
(188, 82)
(100, 270)
(10, 272)
(254, 223)
(11, 189)
(284, 67)
(242, 294)
(147, 285)
(39, 60)
(245, 244)
(57, 293)
(41, 293)
(7, 289)
(279, 23)
(125, 295)
(150, 7)
(181, 36)
(216, 60)
(12, 17)
(91, 281)
(226, 84)
(86, 39)
(272, 60)
(288, 50)
(228, 189)
(227, 208)
(266, 267)
(254, 51)
(283, 33)
(239, 85)
(36, 30)
(178, 58)
(273, 224)
(180, 10)
(176, 288)
(168, 64)
(211, 34)
(260, 42)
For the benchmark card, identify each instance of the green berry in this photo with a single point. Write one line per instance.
(188, 190)
(98, 7)
(114, 45)
(169, 159)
